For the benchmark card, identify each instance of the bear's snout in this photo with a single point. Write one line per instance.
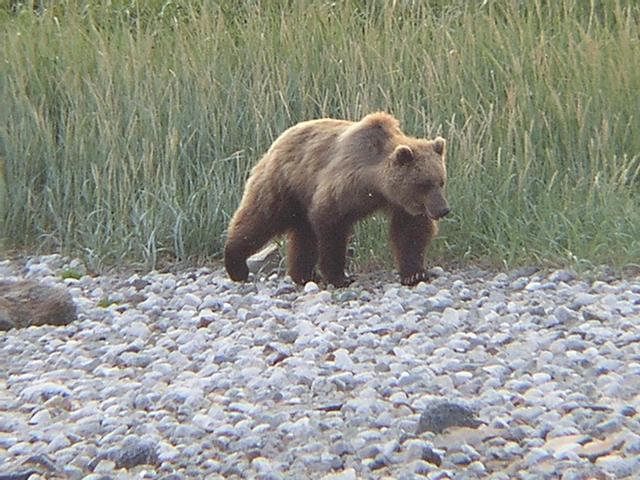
(442, 212)
(436, 204)
(437, 214)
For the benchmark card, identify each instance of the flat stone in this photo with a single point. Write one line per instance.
(266, 260)
(566, 441)
(599, 448)
(466, 436)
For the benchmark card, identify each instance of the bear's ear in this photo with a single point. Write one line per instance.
(403, 155)
(438, 145)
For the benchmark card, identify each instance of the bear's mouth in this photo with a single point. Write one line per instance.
(429, 215)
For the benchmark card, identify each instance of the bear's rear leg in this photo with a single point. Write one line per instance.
(235, 263)
(333, 239)
(302, 252)
(249, 231)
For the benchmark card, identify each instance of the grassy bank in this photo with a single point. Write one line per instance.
(127, 128)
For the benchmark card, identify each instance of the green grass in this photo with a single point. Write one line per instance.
(128, 128)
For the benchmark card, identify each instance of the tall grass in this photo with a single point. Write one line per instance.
(128, 128)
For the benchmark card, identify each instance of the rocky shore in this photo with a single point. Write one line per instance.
(522, 375)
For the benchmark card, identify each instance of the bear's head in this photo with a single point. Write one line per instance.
(415, 177)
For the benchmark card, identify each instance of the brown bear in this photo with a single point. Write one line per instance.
(321, 176)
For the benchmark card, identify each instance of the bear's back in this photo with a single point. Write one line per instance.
(313, 144)
(325, 152)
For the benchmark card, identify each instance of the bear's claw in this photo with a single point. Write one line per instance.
(414, 279)
(341, 282)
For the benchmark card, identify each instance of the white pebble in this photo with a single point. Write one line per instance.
(311, 287)
(137, 329)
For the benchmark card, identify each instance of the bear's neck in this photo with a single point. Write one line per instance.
(365, 195)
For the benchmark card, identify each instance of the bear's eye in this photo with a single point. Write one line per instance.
(441, 183)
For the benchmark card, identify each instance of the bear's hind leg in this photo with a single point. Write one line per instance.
(333, 236)
(410, 236)
(302, 252)
(249, 231)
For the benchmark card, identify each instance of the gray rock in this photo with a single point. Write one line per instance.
(562, 276)
(459, 458)
(266, 260)
(29, 303)
(135, 451)
(43, 391)
(417, 467)
(619, 466)
(440, 415)
(439, 303)
(564, 314)
(582, 300)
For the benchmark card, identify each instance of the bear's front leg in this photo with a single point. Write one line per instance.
(410, 236)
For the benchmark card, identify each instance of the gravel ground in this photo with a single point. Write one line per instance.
(188, 375)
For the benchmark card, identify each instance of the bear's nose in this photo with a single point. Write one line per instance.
(444, 212)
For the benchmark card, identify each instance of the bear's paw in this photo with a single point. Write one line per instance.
(414, 279)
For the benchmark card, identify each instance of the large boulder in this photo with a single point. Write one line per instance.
(25, 303)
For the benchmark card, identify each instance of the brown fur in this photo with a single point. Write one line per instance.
(320, 177)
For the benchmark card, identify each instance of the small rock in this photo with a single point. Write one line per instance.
(535, 456)
(42, 460)
(311, 287)
(440, 303)
(478, 468)
(379, 462)
(18, 475)
(440, 415)
(135, 451)
(43, 391)
(343, 359)
(59, 442)
(628, 411)
(618, 466)
(459, 458)
(430, 456)
(564, 314)
(562, 276)
(582, 300)
(137, 329)
(43, 417)
(105, 466)
(192, 300)
(450, 317)
(348, 474)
